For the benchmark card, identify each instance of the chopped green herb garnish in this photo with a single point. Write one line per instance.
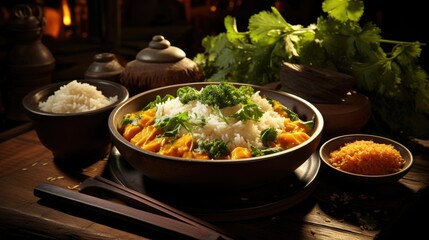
(187, 94)
(157, 100)
(268, 135)
(215, 148)
(261, 152)
(173, 125)
(249, 111)
(225, 95)
(294, 117)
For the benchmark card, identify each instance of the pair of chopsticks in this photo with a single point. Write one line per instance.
(147, 212)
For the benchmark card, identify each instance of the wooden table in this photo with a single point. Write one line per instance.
(333, 210)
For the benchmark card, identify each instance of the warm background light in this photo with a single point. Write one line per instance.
(53, 18)
(66, 13)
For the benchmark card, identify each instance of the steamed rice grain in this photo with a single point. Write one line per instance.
(236, 133)
(76, 97)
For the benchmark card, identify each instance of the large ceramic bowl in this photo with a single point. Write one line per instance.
(342, 175)
(216, 174)
(75, 136)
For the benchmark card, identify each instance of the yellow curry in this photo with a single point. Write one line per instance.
(143, 130)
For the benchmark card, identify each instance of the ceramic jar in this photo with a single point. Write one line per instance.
(29, 63)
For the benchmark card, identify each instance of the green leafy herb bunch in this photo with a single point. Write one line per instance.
(386, 71)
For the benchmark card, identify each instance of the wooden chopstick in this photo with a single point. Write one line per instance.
(147, 203)
(157, 223)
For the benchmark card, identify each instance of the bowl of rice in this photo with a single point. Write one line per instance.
(70, 117)
(218, 136)
(366, 158)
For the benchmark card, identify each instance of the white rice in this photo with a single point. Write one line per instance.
(76, 97)
(237, 133)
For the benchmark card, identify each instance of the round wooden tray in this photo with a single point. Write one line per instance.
(252, 203)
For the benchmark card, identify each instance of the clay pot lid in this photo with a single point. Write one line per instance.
(104, 63)
(158, 65)
(27, 17)
(105, 66)
(160, 51)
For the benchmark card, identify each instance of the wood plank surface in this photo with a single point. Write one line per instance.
(334, 210)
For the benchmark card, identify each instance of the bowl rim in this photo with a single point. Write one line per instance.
(316, 133)
(360, 136)
(122, 94)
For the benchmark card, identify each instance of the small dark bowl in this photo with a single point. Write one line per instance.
(76, 136)
(337, 142)
(216, 174)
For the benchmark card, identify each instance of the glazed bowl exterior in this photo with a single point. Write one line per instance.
(339, 141)
(216, 174)
(77, 136)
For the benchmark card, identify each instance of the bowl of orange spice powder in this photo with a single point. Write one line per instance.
(366, 158)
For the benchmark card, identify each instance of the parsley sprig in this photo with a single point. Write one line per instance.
(223, 95)
(387, 71)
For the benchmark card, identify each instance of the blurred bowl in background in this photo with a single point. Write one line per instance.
(345, 111)
(346, 117)
(317, 85)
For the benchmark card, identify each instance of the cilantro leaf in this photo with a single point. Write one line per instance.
(172, 125)
(344, 10)
(249, 111)
(268, 135)
(267, 27)
(232, 33)
(157, 100)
